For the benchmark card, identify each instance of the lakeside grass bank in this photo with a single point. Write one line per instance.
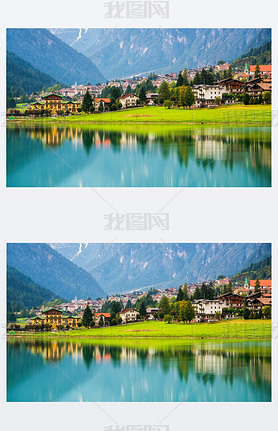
(224, 330)
(224, 115)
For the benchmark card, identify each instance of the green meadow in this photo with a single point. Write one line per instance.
(230, 115)
(225, 330)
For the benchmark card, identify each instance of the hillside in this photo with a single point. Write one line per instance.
(130, 51)
(50, 55)
(261, 55)
(23, 293)
(23, 78)
(260, 270)
(53, 271)
(125, 267)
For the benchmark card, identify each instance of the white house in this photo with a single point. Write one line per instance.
(206, 308)
(128, 100)
(128, 315)
(208, 93)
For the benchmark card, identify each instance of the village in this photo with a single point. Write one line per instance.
(207, 87)
(209, 301)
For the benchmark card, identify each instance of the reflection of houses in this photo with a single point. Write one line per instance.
(206, 308)
(128, 315)
(128, 100)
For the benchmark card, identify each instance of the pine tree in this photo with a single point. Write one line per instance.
(182, 96)
(180, 80)
(164, 91)
(87, 317)
(185, 77)
(182, 308)
(197, 293)
(87, 102)
(197, 79)
(180, 295)
(142, 93)
(142, 309)
(185, 292)
(164, 306)
(257, 71)
(257, 286)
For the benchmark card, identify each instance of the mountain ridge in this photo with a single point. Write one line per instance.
(128, 52)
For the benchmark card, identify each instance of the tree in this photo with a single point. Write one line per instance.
(257, 286)
(197, 293)
(164, 306)
(266, 310)
(164, 91)
(167, 104)
(266, 97)
(87, 102)
(182, 99)
(180, 80)
(185, 77)
(197, 79)
(182, 314)
(87, 317)
(142, 93)
(217, 315)
(189, 97)
(100, 108)
(180, 295)
(142, 308)
(246, 313)
(101, 322)
(246, 98)
(230, 72)
(189, 312)
(257, 71)
(168, 318)
(185, 292)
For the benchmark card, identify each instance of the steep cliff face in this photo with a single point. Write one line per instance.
(127, 52)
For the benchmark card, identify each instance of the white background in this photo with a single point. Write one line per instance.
(77, 215)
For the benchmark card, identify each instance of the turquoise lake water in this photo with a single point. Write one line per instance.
(159, 371)
(138, 156)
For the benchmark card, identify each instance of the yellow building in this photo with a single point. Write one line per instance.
(54, 318)
(54, 104)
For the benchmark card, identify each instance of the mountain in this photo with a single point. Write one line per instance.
(130, 51)
(23, 293)
(23, 78)
(51, 55)
(53, 271)
(260, 270)
(125, 267)
(261, 55)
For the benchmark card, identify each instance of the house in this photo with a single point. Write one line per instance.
(55, 318)
(232, 85)
(264, 284)
(105, 317)
(71, 106)
(208, 93)
(255, 303)
(128, 315)
(128, 100)
(206, 308)
(37, 106)
(52, 102)
(256, 89)
(231, 300)
(265, 69)
(105, 101)
(150, 312)
(152, 96)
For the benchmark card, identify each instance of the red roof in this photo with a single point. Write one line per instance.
(263, 283)
(128, 309)
(104, 99)
(102, 314)
(263, 68)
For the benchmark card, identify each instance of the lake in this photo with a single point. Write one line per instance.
(138, 370)
(138, 156)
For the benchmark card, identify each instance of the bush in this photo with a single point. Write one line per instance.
(168, 318)
(114, 322)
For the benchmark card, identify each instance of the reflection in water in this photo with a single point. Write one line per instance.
(138, 156)
(70, 371)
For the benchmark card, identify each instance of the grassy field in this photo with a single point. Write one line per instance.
(231, 115)
(234, 329)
